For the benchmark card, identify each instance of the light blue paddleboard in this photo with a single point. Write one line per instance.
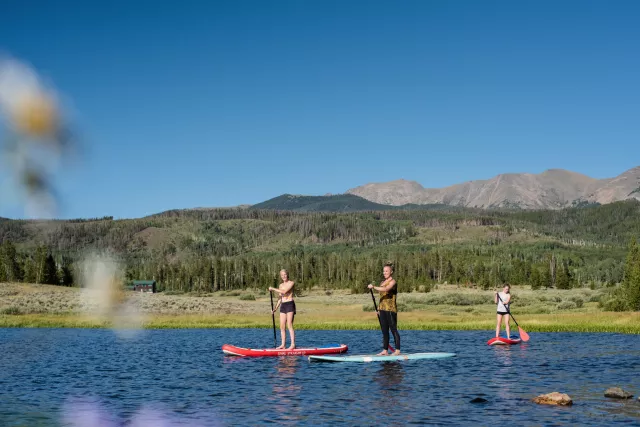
(373, 358)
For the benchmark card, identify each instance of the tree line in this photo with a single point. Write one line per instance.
(339, 266)
(221, 249)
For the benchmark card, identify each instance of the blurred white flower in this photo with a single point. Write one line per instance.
(86, 413)
(104, 297)
(29, 107)
(37, 137)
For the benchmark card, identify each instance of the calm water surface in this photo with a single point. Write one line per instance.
(180, 377)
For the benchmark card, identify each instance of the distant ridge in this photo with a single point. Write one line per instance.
(551, 189)
(335, 203)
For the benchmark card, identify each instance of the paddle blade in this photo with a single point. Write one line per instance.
(523, 334)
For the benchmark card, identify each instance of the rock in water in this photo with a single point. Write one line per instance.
(554, 398)
(479, 400)
(617, 393)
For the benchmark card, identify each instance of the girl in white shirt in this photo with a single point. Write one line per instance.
(503, 308)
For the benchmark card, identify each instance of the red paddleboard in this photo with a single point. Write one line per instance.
(504, 341)
(261, 352)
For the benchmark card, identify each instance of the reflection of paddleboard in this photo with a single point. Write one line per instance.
(505, 341)
(260, 352)
(373, 358)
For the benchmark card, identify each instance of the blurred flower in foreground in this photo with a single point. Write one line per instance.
(37, 136)
(104, 297)
(84, 413)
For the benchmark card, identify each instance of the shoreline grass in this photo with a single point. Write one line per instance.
(625, 323)
(449, 307)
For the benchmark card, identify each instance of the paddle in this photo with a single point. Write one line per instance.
(523, 334)
(378, 314)
(273, 319)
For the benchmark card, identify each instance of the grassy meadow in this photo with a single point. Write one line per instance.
(447, 307)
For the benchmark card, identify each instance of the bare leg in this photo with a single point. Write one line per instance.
(499, 320)
(283, 329)
(506, 322)
(292, 334)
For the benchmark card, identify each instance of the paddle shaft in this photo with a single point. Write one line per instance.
(273, 319)
(378, 314)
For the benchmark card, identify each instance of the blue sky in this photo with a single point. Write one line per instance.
(204, 103)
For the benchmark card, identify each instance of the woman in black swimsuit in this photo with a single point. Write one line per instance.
(287, 308)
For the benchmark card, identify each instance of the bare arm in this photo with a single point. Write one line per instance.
(286, 288)
(277, 305)
(505, 301)
(386, 288)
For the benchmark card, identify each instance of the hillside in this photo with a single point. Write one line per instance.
(552, 189)
(339, 203)
(217, 249)
(334, 203)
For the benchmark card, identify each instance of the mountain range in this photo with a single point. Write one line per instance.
(551, 189)
(337, 203)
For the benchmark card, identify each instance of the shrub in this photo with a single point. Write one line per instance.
(524, 301)
(613, 303)
(449, 312)
(566, 305)
(614, 300)
(536, 309)
(578, 301)
(356, 289)
(455, 299)
(234, 293)
(247, 297)
(402, 307)
(14, 311)
(594, 298)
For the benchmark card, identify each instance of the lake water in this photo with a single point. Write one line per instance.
(180, 377)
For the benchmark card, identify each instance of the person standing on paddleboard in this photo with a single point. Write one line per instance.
(388, 309)
(287, 308)
(503, 308)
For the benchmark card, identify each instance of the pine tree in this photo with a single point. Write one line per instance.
(29, 268)
(536, 279)
(66, 272)
(545, 277)
(631, 281)
(10, 264)
(50, 271)
(40, 260)
(563, 279)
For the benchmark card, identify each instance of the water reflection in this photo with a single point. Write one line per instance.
(286, 389)
(505, 373)
(390, 375)
(389, 378)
